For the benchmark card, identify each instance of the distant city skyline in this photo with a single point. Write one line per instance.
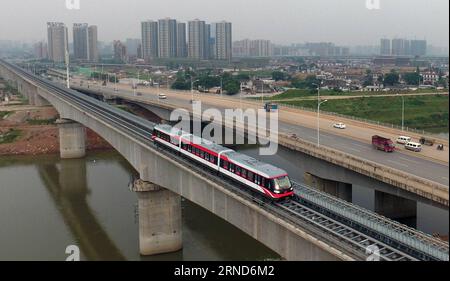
(283, 22)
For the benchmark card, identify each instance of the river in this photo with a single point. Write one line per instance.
(47, 204)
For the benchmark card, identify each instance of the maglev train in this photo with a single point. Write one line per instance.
(264, 178)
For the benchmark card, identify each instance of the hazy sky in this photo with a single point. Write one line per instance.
(345, 22)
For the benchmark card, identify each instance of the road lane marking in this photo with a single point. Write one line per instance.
(409, 160)
(398, 163)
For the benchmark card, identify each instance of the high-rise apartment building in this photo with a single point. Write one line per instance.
(81, 41)
(197, 41)
(260, 48)
(418, 47)
(385, 47)
(181, 40)
(132, 46)
(149, 31)
(212, 42)
(207, 47)
(167, 38)
(399, 47)
(40, 50)
(120, 51)
(223, 41)
(93, 43)
(57, 41)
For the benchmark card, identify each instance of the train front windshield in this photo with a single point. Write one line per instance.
(283, 183)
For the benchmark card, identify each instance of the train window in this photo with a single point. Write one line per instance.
(224, 164)
(207, 156)
(213, 159)
(238, 170)
(189, 148)
(202, 154)
(244, 173)
(263, 182)
(257, 179)
(250, 176)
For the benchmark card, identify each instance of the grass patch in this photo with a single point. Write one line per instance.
(10, 136)
(308, 93)
(41, 121)
(429, 113)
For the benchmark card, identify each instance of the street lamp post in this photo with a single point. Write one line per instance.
(192, 88)
(403, 112)
(319, 103)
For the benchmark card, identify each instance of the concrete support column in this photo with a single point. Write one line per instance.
(337, 189)
(394, 207)
(159, 219)
(72, 139)
(39, 100)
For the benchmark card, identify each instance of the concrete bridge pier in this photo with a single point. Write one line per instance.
(160, 229)
(338, 189)
(72, 139)
(395, 207)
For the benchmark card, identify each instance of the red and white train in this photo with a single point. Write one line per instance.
(264, 178)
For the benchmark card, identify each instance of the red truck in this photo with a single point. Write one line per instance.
(384, 144)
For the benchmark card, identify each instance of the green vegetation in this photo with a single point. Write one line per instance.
(10, 136)
(309, 82)
(391, 79)
(306, 93)
(124, 108)
(3, 114)
(103, 77)
(279, 76)
(412, 78)
(429, 113)
(41, 122)
(205, 80)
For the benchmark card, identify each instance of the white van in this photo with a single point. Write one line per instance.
(414, 146)
(403, 140)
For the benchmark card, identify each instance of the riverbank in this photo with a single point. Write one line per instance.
(27, 130)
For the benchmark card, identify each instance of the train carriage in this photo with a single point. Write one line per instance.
(264, 178)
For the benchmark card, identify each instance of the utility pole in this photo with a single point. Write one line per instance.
(67, 69)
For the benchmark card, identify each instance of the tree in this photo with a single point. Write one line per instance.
(412, 78)
(391, 79)
(232, 87)
(310, 82)
(278, 76)
(243, 77)
(368, 79)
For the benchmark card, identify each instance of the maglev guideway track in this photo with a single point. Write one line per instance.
(348, 227)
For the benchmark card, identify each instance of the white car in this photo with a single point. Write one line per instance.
(339, 126)
(162, 96)
(403, 140)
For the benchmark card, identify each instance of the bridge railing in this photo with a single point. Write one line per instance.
(401, 233)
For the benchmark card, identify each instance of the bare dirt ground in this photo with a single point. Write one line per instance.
(38, 139)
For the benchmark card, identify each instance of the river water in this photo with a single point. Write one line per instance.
(47, 204)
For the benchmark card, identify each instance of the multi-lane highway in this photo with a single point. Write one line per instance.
(355, 140)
